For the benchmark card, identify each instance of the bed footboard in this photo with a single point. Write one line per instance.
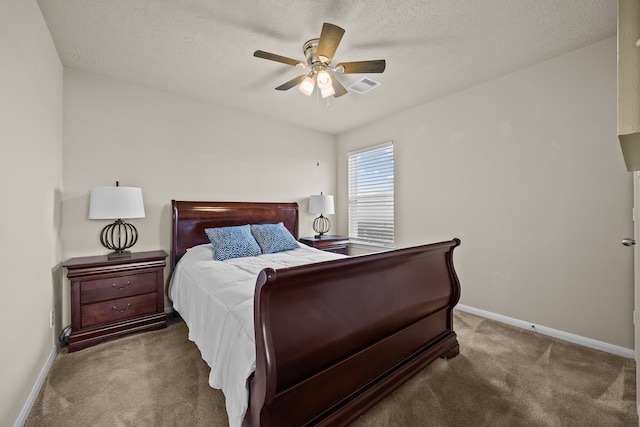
(332, 339)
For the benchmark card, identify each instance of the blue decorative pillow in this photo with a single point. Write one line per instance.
(232, 242)
(273, 238)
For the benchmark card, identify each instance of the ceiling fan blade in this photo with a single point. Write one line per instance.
(337, 87)
(329, 40)
(278, 58)
(291, 83)
(358, 67)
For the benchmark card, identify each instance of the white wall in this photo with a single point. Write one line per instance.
(527, 171)
(31, 176)
(180, 148)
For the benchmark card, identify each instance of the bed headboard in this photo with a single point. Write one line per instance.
(189, 220)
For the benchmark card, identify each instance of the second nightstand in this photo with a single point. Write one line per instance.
(115, 297)
(329, 243)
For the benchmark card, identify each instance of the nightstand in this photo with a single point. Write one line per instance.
(337, 244)
(115, 297)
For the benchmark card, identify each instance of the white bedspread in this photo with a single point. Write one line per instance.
(215, 299)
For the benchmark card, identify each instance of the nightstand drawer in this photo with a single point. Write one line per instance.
(118, 309)
(117, 287)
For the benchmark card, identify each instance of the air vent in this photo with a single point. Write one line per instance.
(364, 85)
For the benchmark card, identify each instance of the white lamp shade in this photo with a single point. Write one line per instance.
(116, 203)
(307, 86)
(321, 204)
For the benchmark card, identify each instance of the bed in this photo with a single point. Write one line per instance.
(329, 339)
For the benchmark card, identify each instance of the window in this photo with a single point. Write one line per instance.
(371, 179)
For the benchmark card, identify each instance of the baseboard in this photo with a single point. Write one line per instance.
(26, 408)
(555, 333)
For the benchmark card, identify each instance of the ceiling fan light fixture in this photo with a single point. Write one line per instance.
(307, 85)
(327, 91)
(323, 79)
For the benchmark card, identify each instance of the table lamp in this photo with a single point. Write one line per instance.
(117, 203)
(321, 204)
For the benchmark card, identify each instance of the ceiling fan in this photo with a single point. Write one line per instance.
(319, 53)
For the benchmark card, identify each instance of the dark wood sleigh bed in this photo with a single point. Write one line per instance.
(334, 338)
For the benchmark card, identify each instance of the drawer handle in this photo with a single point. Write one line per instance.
(121, 310)
(115, 286)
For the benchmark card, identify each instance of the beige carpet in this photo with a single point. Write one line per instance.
(504, 376)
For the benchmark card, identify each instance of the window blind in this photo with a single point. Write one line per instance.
(371, 195)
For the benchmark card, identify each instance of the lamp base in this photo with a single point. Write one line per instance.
(119, 237)
(321, 225)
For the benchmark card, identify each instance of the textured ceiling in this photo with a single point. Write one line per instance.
(204, 48)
